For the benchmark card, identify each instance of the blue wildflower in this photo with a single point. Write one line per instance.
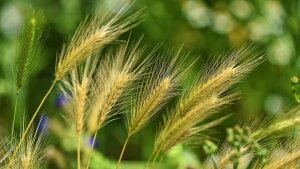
(60, 100)
(90, 142)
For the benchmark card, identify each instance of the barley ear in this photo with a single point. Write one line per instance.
(116, 75)
(97, 30)
(210, 93)
(286, 155)
(76, 88)
(280, 125)
(158, 88)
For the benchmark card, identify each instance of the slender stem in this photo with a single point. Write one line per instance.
(153, 162)
(122, 152)
(14, 117)
(29, 125)
(78, 153)
(90, 153)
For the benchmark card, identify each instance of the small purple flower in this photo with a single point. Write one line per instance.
(90, 142)
(60, 100)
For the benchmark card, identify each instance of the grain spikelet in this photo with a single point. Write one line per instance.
(284, 161)
(203, 99)
(145, 109)
(76, 89)
(32, 39)
(280, 125)
(284, 156)
(116, 74)
(92, 34)
(159, 87)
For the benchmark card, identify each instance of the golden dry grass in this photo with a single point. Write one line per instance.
(92, 34)
(203, 99)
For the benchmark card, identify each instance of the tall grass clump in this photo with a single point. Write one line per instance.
(203, 99)
(116, 75)
(97, 30)
(157, 89)
(284, 156)
(93, 92)
(76, 89)
(99, 85)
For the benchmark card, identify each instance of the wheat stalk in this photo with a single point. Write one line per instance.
(283, 161)
(286, 121)
(76, 88)
(115, 76)
(147, 107)
(159, 87)
(284, 156)
(92, 34)
(203, 99)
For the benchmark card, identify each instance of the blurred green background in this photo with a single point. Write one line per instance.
(205, 27)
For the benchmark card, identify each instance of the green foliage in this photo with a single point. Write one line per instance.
(209, 147)
(242, 137)
(296, 88)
